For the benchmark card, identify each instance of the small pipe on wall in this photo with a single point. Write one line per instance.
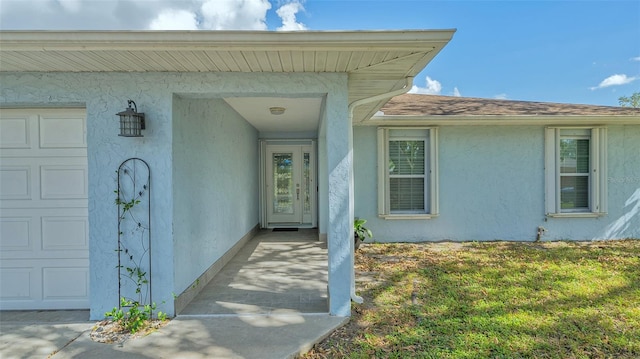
(541, 231)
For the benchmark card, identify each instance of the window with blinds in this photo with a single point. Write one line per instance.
(406, 175)
(407, 162)
(575, 166)
(574, 172)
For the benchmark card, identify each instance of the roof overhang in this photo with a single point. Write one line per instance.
(376, 62)
(502, 120)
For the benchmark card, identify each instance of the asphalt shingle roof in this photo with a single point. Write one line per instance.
(432, 105)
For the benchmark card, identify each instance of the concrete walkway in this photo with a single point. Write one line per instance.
(275, 273)
(268, 302)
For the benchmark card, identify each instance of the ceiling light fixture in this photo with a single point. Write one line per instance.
(277, 110)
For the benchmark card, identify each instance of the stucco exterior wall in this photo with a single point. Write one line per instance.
(623, 161)
(105, 94)
(492, 188)
(215, 184)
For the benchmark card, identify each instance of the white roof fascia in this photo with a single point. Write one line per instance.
(221, 40)
(401, 53)
(500, 120)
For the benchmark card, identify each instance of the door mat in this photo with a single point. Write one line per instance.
(285, 229)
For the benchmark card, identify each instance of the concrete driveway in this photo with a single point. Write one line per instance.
(244, 336)
(40, 334)
(270, 301)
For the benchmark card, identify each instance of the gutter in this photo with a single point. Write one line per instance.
(407, 86)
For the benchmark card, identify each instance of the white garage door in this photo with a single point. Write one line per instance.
(44, 246)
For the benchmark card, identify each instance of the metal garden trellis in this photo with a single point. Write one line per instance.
(134, 232)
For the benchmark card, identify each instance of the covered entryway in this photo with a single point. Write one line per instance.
(44, 250)
(288, 128)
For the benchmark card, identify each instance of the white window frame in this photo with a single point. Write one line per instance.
(597, 173)
(431, 173)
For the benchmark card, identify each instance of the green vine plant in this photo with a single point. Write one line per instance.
(135, 319)
(137, 313)
(134, 272)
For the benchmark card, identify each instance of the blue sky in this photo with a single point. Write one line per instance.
(556, 51)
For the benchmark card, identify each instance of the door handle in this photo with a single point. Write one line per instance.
(298, 194)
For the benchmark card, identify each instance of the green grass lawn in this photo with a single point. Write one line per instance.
(493, 300)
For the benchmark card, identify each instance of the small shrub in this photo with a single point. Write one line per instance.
(135, 318)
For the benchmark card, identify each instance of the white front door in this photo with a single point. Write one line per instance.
(290, 182)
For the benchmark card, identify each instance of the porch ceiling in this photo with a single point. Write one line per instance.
(300, 115)
(375, 61)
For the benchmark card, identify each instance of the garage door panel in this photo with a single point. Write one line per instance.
(63, 182)
(62, 132)
(33, 233)
(44, 256)
(34, 284)
(68, 283)
(61, 256)
(44, 204)
(47, 211)
(15, 234)
(15, 132)
(44, 153)
(64, 233)
(15, 182)
(55, 178)
(18, 284)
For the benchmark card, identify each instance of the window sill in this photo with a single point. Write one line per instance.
(408, 216)
(577, 215)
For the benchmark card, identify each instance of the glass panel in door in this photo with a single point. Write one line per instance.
(306, 177)
(308, 185)
(283, 186)
(284, 190)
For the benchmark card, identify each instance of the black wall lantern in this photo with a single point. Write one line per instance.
(131, 122)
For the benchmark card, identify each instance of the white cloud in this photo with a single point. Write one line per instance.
(615, 80)
(433, 88)
(134, 14)
(456, 92)
(501, 96)
(235, 14)
(288, 14)
(69, 15)
(71, 5)
(170, 19)
(637, 58)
